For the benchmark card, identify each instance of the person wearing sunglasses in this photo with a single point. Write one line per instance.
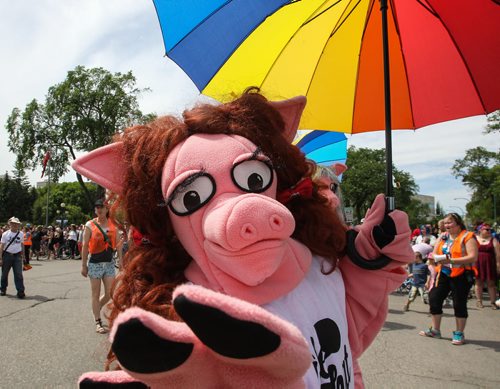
(488, 264)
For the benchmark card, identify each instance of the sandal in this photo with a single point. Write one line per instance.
(494, 307)
(479, 304)
(431, 333)
(99, 328)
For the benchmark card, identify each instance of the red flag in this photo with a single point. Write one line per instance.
(45, 161)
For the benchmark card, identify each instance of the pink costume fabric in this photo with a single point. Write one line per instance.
(259, 311)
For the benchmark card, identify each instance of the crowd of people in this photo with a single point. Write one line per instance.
(98, 243)
(449, 261)
(49, 242)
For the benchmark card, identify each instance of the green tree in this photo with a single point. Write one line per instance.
(16, 196)
(68, 193)
(366, 176)
(80, 114)
(480, 171)
(493, 123)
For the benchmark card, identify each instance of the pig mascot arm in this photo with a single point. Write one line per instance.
(235, 344)
(372, 269)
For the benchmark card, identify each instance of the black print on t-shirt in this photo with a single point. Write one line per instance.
(329, 339)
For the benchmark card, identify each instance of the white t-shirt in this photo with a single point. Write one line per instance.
(317, 307)
(17, 244)
(72, 235)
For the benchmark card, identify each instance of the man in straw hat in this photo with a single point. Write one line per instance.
(11, 256)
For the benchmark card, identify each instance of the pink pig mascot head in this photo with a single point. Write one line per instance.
(227, 203)
(203, 189)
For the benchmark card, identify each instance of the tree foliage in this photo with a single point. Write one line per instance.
(16, 197)
(365, 178)
(79, 114)
(493, 123)
(480, 171)
(76, 206)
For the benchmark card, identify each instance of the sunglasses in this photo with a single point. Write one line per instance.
(487, 229)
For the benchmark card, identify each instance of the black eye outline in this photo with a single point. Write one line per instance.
(334, 187)
(267, 163)
(183, 188)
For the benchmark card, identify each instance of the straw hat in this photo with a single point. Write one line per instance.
(14, 219)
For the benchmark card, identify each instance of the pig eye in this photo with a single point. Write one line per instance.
(192, 194)
(252, 175)
(334, 187)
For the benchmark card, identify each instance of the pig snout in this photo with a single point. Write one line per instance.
(242, 221)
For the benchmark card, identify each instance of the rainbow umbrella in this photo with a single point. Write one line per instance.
(364, 65)
(323, 147)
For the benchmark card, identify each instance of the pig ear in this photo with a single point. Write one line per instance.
(104, 166)
(338, 168)
(291, 111)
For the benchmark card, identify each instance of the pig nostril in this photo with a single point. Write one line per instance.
(248, 231)
(276, 223)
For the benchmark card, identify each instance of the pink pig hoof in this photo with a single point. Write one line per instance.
(224, 334)
(140, 350)
(89, 383)
(384, 233)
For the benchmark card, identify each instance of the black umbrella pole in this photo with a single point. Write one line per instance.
(390, 203)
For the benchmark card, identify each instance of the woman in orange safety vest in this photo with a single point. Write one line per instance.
(454, 254)
(100, 241)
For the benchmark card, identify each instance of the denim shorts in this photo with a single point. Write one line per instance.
(101, 269)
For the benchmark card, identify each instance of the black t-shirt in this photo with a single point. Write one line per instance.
(36, 237)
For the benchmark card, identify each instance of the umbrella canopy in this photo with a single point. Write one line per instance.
(323, 147)
(443, 56)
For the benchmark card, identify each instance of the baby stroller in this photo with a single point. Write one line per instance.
(405, 287)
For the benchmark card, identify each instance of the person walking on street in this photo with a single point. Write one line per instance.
(36, 242)
(27, 246)
(72, 240)
(100, 240)
(487, 265)
(12, 256)
(454, 253)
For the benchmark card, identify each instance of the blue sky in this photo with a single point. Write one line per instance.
(43, 39)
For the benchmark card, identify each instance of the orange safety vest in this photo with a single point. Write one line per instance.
(457, 250)
(27, 239)
(97, 244)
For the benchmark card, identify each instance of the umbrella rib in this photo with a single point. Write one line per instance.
(321, 13)
(344, 20)
(367, 18)
(396, 24)
(289, 40)
(427, 8)
(333, 32)
(243, 40)
(200, 23)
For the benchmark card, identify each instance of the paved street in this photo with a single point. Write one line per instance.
(48, 339)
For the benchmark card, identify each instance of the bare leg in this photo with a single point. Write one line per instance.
(108, 282)
(95, 286)
(479, 292)
(461, 323)
(492, 291)
(436, 322)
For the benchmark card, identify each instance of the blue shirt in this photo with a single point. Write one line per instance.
(420, 271)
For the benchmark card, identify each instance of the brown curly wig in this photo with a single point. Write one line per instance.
(151, 272)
